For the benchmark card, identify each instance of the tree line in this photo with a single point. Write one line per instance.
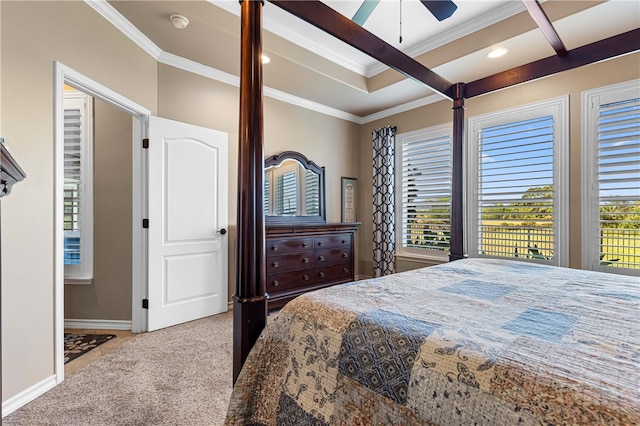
(535, 207)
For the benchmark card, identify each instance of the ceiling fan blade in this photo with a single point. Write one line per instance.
(364, 11)
(441, 9)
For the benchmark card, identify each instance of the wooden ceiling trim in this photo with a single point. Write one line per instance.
(611, 47)
(323, 17)
(545, 25)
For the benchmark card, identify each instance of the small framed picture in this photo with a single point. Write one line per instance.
(349, 199)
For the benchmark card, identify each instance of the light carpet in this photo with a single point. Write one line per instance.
(180, 375)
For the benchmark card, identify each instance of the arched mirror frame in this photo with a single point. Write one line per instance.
(276, 160)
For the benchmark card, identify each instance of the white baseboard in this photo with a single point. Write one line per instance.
(27, 395)
(93, 324)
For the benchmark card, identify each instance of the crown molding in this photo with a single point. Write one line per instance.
(311, 105)
(223, 77)
(301, 40)
(402, 108)
(198, 68)
(127, 28)
(483, 21)
(476, 24)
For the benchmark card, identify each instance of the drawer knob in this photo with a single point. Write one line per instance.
(305, 277)
(274, 248)
(274, 264)
(320, 243)
(345, 270)
(344, 241)
(305, 260)
(275, 283)
(321, 258)
(345, 255)
(305, 245)
(321, 274)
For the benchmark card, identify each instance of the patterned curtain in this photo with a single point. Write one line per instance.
(383, 201)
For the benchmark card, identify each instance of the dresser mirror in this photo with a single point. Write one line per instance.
(293, 190)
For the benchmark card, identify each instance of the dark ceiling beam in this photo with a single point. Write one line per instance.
(611, 47)
(545, 25)
(322, 16)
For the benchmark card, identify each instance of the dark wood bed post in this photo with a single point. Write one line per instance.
(249, 300)
(457, 183)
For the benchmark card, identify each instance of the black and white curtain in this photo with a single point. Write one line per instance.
(383, 201)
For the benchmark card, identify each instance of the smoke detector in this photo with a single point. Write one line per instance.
(179, 21)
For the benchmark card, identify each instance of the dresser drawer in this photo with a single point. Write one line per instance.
(332, 256)
(339, 272)
(289, 280)
(277, 246)
(289, 262)
(332, 241)
(301, 258)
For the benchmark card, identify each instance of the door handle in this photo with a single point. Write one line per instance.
(222, 231)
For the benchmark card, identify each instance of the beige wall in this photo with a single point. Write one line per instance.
(328, 141)
(108, 297)
(34, 34)
(570, 83)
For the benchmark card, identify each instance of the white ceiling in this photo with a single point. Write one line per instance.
(318, 71)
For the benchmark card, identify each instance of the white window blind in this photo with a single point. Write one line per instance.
(267, 197)
(423, 168)
(78, 187)
(312, 193)
(515, 189)
(72, 170)
(517, 205)
(286, 194)
(613, 240)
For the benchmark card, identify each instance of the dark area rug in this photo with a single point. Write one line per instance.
(78, 344)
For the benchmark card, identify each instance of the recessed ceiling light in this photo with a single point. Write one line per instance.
(179, 21)
(496, 53)
(265, 59)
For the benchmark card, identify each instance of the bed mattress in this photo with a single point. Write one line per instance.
(475, 341)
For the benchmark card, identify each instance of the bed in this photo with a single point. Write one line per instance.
(475, 341)
(472, 341)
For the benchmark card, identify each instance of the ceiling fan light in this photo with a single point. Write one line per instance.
(496, 53)
(179, 21)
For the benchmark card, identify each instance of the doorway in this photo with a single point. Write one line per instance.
(140, 116)
(179, 186)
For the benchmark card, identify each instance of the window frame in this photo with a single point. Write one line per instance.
(559, 109)
(82, 273)
(591, 101)
(432, 132)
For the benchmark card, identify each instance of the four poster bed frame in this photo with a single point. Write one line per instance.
(250, 298)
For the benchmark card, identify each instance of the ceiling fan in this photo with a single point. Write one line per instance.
(441, 9)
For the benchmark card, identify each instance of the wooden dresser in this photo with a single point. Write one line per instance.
(301, 258)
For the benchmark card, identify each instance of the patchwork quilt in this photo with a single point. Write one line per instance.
(475, 341)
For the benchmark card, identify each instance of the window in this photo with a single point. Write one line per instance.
(611, 178)
(311, 193)
(295, 191)
(423, 198)
(518, 183)
(78, 188)
(286, 200)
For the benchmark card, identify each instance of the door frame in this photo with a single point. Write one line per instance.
(140, 115)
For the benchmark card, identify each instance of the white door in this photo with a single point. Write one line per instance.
(187, 169)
